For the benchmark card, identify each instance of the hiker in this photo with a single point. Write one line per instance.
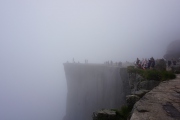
(169, 63)
(120, 64)
(111, 62)
(137, 62)
(149, 63)
(145, 64)
(152, 62)
(142, 63)
(174, 62)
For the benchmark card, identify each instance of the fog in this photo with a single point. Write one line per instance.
(37, 36)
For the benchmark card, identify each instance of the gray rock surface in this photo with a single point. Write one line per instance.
(141, 93)
(147, 85)
(161, 103)
(105, 115)
(132, 99)
(176, 69)
(134, 80)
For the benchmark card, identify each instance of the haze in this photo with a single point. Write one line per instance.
(37, 36)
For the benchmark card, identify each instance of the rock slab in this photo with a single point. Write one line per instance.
(161, 103)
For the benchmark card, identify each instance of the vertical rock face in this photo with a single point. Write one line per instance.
(92, 87)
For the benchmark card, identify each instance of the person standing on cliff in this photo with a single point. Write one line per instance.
(145, 63)
(169, 63)
(138, 62)
(149, 63)
(174, 61)
(152, 62)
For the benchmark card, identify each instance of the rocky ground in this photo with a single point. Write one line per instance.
(161, 103)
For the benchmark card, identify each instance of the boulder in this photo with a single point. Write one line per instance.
(176, 69)
(105, 115)
(132, 99)
(141, 93)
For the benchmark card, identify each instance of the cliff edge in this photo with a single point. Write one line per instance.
(92, 87)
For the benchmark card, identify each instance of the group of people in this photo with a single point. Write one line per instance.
(111, 63)
(73, 61)
(145, 64)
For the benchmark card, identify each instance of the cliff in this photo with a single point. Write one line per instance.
(92, 87)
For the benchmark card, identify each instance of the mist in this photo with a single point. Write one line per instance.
(38, 36)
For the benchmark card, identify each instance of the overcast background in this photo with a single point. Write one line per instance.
(37, 36)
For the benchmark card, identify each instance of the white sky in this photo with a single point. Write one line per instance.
(37, 36)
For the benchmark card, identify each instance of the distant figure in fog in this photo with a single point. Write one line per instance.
(86, 61)
(120, 64)
(169, 63)
(174, 62)
(137, 61)
(111, 62)
(144, 64)
(73, 60)
(149, 63)
(152, 62)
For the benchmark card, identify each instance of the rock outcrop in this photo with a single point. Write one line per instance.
(139, 86)
(147, 85)
(132, 99)
(105, 115)
(161, 103)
